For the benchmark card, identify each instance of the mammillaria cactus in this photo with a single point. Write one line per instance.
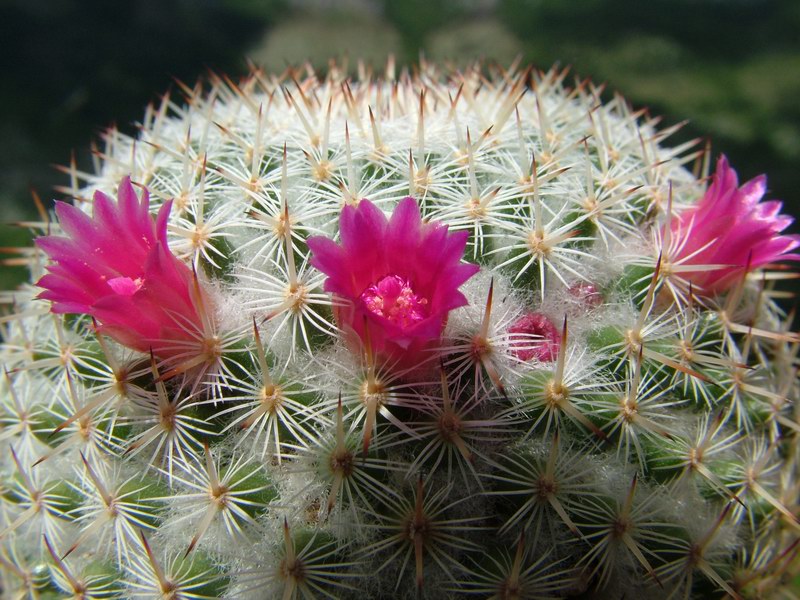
(449, 334)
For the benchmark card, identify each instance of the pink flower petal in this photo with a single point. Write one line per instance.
(125, 286)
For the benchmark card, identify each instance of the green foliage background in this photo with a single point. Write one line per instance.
(72, 67)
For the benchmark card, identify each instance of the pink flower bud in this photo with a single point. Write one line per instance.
(533, 335)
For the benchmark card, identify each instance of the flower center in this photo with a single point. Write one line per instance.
(394, 299)
(125, 286)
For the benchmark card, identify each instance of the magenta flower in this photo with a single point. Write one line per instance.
(398, 277)
(728, 230)
(117, 267)
(534, 336)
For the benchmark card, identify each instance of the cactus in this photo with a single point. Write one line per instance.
(447, 334)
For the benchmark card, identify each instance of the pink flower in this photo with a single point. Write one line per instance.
(398, 277)
(533, 335)
(117, 267)
(728, 230)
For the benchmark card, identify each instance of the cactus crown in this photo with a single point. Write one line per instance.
(558, 368)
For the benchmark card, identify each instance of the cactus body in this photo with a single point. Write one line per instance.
(600, 415)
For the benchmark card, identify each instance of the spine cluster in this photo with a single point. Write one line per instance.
(601, 410)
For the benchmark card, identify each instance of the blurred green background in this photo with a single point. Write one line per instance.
(72, 67)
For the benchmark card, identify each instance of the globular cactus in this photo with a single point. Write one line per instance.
(442, 335)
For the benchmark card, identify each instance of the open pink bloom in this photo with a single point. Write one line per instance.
(116, 266)
(399, 277)
(533, 335)
(729, 229)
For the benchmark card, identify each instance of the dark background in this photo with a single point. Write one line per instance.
(72, 67)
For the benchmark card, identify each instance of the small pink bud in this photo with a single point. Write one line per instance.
(587, 295)
(533, 335)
